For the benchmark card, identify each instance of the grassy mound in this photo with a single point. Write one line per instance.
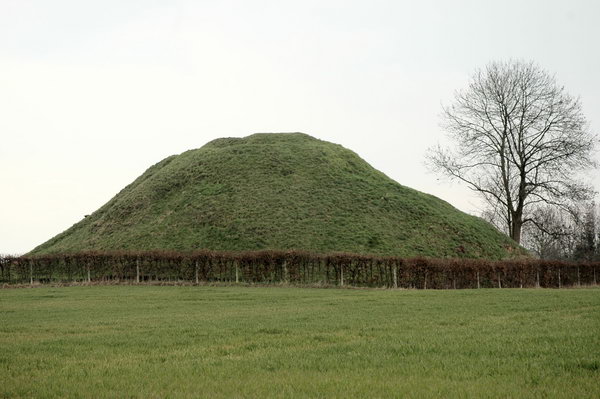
(279, 191)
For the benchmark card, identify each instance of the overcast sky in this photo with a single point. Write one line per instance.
(94, 92)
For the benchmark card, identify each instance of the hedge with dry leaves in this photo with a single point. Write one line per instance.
(296, 267)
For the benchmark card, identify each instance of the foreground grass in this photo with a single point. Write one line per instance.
(144, 341)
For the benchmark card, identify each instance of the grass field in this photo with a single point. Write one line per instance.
(149, 341)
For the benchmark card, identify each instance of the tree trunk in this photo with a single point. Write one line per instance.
(515, 230)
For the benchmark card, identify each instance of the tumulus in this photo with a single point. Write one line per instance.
(279, 191)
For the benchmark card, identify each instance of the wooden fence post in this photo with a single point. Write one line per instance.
(537, 278)
(559, 282)
(89, 279)
(395, 274)
(7, 267)
(137, 270)
(478, 284)
(237, 273)
(31, 272)
(341, 274)
(196, 271)
(285, 271)
(499, 282)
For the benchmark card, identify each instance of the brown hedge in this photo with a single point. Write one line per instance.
(296, 267)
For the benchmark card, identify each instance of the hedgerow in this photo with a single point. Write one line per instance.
(295, 267)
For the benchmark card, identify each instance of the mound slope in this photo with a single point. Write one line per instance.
(278, 191)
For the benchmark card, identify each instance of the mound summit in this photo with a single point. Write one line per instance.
(279, 191)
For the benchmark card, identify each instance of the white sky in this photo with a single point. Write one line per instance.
(94, 92)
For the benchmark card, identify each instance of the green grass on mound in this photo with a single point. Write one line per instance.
(222, 342)
(279, 191)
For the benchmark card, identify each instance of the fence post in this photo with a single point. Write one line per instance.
(237, 273)
(559, 283)
(478, 284)
(425, 281)
(595, 276)
(537, 278)
(196, 272)
(395, 274)
(137, 270)
(499, 282)
(285, 271)
(578, 277)
(89, 273)
(31, 272)
(341, 274)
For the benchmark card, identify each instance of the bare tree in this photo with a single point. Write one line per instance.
(587, 234)
(554, 234)
(519, 140)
